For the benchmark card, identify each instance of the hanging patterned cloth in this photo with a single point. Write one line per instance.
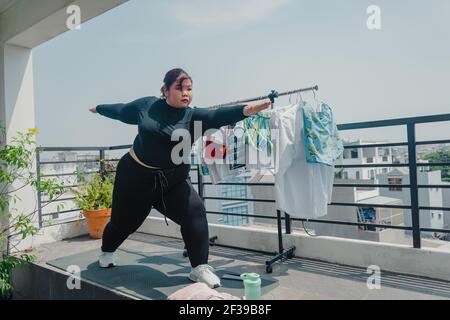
(322, 141)
(257, 131)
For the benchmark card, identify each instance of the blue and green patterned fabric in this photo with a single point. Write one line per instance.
(257, 132)
(322, 141)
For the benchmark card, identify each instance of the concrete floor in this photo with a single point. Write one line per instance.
(297, 279)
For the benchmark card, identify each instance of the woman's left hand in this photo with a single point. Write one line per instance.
(252, 109)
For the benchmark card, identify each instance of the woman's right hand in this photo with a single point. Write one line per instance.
(93, 109)
(252, 109)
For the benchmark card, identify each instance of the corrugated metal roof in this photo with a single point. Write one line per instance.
(380, 200)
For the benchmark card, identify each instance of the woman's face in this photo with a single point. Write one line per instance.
(179, 94)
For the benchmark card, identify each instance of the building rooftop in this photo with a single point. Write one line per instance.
(379, 200)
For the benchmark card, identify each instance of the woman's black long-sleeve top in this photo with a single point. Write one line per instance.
(156, 121)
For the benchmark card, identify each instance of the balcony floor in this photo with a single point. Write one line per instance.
(152, 267)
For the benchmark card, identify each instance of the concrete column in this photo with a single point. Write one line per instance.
(17, 111)
(3, 221)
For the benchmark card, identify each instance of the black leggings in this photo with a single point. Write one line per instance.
(137, 189)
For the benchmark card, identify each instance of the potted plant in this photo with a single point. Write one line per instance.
(94, 197)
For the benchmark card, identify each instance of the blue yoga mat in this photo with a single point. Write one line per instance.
(155, 276)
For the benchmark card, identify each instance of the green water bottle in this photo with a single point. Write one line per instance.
(252, 285)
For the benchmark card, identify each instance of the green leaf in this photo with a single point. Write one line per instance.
(95, 194)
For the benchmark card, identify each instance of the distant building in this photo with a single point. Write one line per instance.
(91, 163)
(237, 206)
(372, 155)
(446, 204)
(399, 155)
(428, 197)
(387, 216)
(65, 164)
(65, 157)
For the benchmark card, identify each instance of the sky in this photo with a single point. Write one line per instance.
(240, 49)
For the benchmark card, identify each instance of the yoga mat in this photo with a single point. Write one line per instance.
(155, 276)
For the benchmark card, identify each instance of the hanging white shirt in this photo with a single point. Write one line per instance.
(302, 189)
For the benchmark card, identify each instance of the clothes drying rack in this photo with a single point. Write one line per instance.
(272, 95)
(282, 254)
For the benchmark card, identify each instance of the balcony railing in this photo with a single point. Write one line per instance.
(408, 123)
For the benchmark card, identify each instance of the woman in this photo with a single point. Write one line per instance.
(147, 177)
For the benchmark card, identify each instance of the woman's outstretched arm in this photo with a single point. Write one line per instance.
(125, 112)
(216, 118)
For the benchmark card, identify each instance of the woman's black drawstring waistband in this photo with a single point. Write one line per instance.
(163, 183)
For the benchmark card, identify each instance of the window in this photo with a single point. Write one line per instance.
(370, 160)
(236, 220)
(234, 191)
(354, 154)
(394, 181)
(358, 175)
(385, 158)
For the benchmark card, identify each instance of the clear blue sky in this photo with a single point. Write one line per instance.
(243, 48)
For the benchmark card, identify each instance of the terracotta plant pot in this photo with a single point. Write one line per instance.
(97, 220)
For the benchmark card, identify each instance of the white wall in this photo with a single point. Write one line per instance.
(427, 197)
(446, 203)
(18, 113)
(433, 197)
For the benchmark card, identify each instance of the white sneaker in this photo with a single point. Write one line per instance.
(205, 273)
(107, 259)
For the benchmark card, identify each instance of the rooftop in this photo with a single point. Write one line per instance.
(379, 200)
(153, 267)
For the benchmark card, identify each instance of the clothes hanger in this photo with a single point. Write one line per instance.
(300, 98)
(317, 102)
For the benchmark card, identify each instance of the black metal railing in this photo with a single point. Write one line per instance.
(412, 165)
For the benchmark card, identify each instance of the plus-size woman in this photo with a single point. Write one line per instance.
(147, 176)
